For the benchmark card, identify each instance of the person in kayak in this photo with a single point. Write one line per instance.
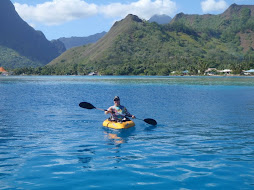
(118, 112)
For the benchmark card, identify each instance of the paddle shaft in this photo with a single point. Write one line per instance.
(148, 120)
(101, 109)
(119, 114)
(87, 105)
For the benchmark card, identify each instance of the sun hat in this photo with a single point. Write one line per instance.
(116, 98)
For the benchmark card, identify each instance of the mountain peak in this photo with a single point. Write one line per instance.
(237, 9)
(160, 19)
(133, 18)
(7, 9)
(130, 18)
(97, 50)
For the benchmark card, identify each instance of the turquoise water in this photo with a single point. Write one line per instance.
(203, 140)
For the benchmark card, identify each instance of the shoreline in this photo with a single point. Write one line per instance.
(134, 75)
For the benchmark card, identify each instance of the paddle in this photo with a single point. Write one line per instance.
(149, 121)
(89, 106)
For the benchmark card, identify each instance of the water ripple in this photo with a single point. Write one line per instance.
(203, 140)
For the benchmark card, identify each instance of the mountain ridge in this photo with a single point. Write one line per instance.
(75, 41)
(237, 19)
(232, 12)
(80, 41)
(105, 42)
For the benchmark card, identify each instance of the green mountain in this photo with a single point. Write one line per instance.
(194, 42)
(236, 23)
(20, 44)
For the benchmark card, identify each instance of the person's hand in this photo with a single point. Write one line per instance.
(133, 117)
(109, 111)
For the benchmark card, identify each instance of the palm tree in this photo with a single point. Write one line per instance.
(202, 66)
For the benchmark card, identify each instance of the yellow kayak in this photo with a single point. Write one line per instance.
(118, 125)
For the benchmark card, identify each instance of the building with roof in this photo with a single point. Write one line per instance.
(211, 71)
(226, 71)
(249, 72)
(2, 70)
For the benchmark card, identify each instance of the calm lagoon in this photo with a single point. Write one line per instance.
(204, 138)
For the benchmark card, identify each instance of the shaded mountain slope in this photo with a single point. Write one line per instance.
(30, 46)
(80, 41)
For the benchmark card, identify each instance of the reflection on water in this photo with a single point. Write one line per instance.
(85, 155)
(117, 140)
(151, 127)
(118, 137)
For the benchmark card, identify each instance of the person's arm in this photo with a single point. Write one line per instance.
(128, 114)
(109, 110)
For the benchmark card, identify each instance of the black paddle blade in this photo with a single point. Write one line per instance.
(86, 105)
(150, 121)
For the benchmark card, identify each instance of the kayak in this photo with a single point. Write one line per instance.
(118, 125)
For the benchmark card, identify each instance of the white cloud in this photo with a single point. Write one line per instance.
(60, 11)
(212, 5)
(56, 12)
(142, 8)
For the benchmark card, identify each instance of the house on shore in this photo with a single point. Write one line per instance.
(186, 72)
(226, 71)
(211, 71)
(3, 71)
(214, 71)
(249, 72)
(93, 73)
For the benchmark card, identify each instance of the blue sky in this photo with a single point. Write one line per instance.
(66, 18)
